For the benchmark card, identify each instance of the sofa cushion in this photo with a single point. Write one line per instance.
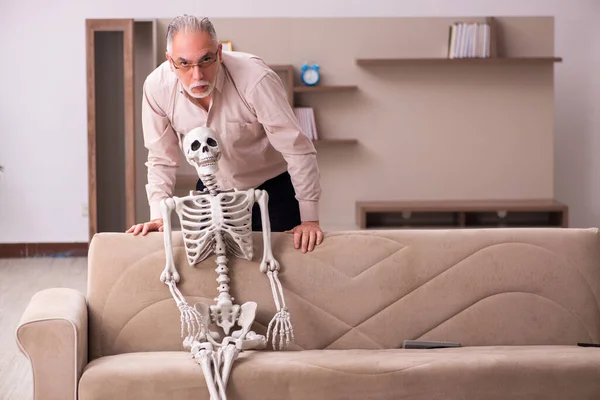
(515, 372)
(365, 289)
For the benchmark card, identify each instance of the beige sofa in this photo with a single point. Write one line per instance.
(518, 301)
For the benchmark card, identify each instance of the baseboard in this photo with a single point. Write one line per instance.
(25, 250)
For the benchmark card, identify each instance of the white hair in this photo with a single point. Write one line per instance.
(189, 24)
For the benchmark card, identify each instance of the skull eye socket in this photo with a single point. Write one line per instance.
(211, 142)
(195, 145)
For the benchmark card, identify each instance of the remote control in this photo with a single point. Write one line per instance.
(588, 345)
(427, 344)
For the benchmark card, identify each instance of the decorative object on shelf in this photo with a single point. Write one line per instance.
(310, 75)
(227, 45)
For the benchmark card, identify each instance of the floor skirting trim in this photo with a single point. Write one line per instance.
(26, 250)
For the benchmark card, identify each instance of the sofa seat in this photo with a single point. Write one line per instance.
(498, 372)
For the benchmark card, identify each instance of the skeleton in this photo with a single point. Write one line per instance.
(220, 222)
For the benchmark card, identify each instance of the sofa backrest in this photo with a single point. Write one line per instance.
(364, 289)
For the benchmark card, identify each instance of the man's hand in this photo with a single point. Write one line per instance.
(154, 225)
(307, 234)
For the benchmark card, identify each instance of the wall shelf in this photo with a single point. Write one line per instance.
(450, 61)
(325, 88)
(335, 141)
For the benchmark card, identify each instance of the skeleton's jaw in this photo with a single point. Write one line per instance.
(206, 165)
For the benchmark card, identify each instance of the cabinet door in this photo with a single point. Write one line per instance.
(111, 145)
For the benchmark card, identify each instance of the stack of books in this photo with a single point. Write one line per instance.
(306, 120)
(469, 40)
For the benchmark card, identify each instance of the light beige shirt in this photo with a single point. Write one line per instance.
(259, 135)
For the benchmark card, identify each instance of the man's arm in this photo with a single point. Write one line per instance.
(163, 152)
(269, 100)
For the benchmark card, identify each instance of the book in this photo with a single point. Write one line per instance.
(306, 121)
(469, 40)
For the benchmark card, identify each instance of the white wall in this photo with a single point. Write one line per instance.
(43, 123)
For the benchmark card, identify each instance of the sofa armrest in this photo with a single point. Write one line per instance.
(52, 334)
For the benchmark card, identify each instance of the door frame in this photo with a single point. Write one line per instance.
(127, 27)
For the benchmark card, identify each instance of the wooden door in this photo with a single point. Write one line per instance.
(111, 126)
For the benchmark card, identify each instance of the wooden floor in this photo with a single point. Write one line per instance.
(20, 278)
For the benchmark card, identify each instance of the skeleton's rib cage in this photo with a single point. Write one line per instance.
(201, 216)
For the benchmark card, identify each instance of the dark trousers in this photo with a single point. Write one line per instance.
(284, 211)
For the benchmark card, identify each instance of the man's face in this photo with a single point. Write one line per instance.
(189, 50)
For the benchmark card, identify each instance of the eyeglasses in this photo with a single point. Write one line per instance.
(206, 61)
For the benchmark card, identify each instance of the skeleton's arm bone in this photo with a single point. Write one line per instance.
(262, 198)
(270, 266)
(170, 272)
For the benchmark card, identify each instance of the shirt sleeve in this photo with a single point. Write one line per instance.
(163, 151)
(269, 100)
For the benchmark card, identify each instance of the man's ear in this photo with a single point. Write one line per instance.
(169, 60)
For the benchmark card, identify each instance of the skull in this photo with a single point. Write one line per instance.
(202, 150)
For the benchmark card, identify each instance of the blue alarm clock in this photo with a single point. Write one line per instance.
(310, 74)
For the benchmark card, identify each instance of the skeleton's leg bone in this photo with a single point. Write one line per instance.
(217, 359)
(202, 353)
(230, 354)
(170, 272)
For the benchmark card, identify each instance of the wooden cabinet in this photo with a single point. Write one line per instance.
(461, 214)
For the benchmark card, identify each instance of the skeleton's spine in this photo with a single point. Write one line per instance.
(223, 272)
(224, 298)
(210, 181)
